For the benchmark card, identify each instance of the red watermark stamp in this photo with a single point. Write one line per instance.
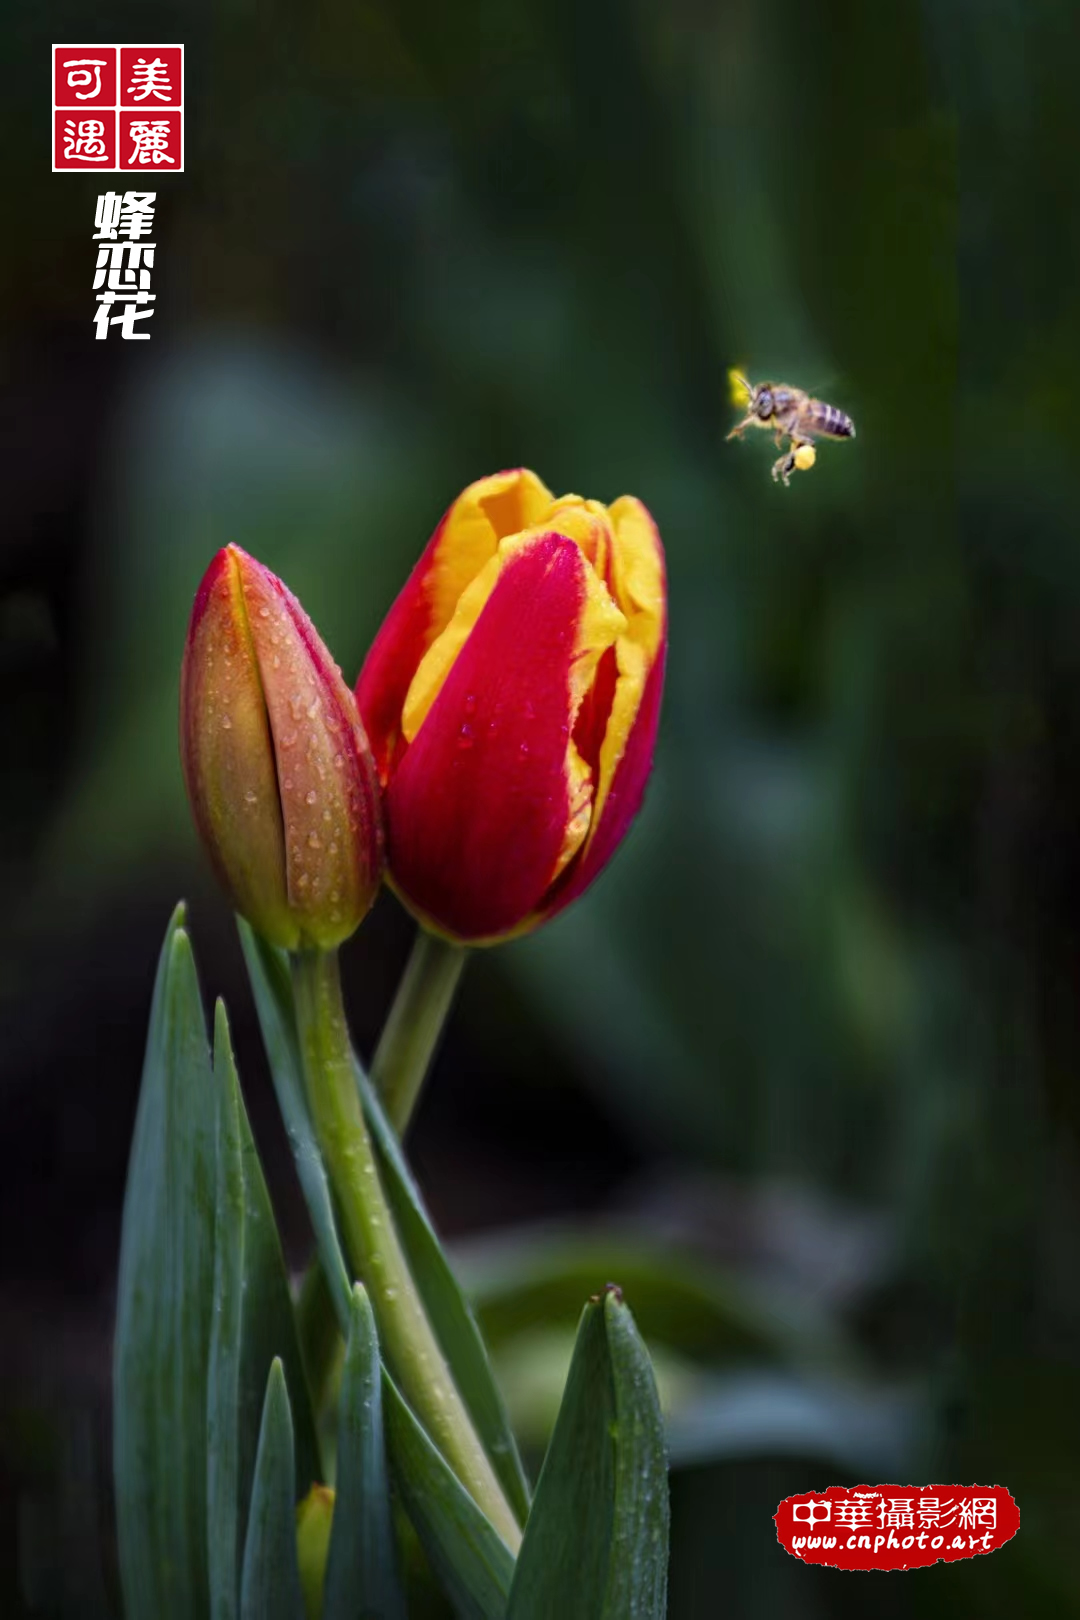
(118, 109)
(895, 1526)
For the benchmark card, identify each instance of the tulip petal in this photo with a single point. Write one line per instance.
(464, 541)
(601, 623)
(633, 707)
(622, 800)
(326, 779)
(641, 591)
(227, 753)
(480, 803)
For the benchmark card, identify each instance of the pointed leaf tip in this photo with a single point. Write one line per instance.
(270, 1586)
(596, 1543)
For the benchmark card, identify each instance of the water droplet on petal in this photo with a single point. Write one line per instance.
(314, 841)
(310, 796)
(264, 613)
(470, 703)
(251, 797)
(226, 723)
(465, 737)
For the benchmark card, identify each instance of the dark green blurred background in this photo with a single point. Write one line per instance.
(801, 1072)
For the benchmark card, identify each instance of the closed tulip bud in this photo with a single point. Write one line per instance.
(512, 698)
(278, 770)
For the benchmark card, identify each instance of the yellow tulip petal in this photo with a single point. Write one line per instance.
(482, 515)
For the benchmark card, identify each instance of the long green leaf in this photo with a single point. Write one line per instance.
(270, 1588)
(361, 1572)
(449, 1312)
(596, 1544)
(165, 1299)
(637, 1587)
(253, 1322)
(225, 1537)
(269, 975)
(468, 1556)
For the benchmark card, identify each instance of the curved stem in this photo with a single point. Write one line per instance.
(407, 1044)
(407, 1341)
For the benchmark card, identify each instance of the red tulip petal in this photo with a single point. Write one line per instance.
(479, 803)
(623, 799)
(466, 538)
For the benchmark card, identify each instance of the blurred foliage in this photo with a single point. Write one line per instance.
(839, 954)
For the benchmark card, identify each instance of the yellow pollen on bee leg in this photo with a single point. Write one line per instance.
(805, 456)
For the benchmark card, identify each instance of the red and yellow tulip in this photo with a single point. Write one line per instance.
(512, 698)
(278, 770)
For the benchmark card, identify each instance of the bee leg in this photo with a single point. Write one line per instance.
(740, 427)
(783, 467)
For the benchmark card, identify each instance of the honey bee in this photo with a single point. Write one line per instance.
(792, 414)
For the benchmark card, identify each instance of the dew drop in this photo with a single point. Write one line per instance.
(326, 815)
(276, 661)
(332, 851)
(465, 737)
(390, 1294)
(251, 797)
(314, 841)
(339, 760)
(264, 613)
(226, 723)
(313, 709)
(310, 796)
(470, 703)
(523, 750)
(287, 784)
(335, 896)
(302, 881)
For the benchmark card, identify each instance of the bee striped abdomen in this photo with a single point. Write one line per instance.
(827, 419)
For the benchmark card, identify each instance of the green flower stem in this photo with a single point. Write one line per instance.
(407, 1044)
(408, 1344)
